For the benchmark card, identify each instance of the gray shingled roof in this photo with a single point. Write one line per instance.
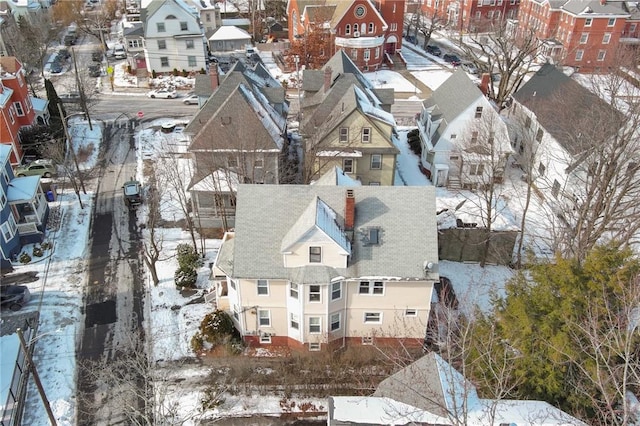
(597, 7)
(449, 100)
(405, 215)
(429, 383)
(560, 104)
(253, 111)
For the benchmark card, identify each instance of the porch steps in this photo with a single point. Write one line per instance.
(454, 183)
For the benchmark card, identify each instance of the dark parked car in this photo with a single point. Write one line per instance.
(411, 39)
(95, 70)
(14, 297)
(452, 59)
(96, 56)
(434, 50)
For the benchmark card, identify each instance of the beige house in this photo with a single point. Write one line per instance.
(347, 123)
(310, 265)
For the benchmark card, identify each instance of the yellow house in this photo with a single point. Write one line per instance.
(346, 123)
(311, 265)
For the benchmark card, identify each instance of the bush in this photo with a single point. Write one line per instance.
(215, 329)
(154, 74)
(415, 146)
(176, 72)
(188, 257)
(37, 251)
(185, 73)
(202, 71)
(129, 69)
(185, 277)
(25, 258)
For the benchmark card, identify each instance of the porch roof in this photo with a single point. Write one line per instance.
(23, 189)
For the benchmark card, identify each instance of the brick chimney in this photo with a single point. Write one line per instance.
(349, 211)
(327, 78)
(485, 80)
(213, 75)
(603, 2)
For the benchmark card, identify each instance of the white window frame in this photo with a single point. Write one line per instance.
(579, 55)
(189, 44)
(9, 228)
(162, 44)
(315, 328)
(367, 340)
(338, 290)
(315, 257)
(366, 135)
(261, 312)
(584, 38)
(3, 198)
(347, 29)
(314, 346)
(333, 321)
(343, 134)
(294, 321)
(606, 38)
(376, 163)
(611, 22)
(232, 284)
(347, 165)
(265, 338)
(160, 27)
(476, 169)
(601, 55)
(18, 107)
(315, 293)
(294, 290)
(164, 61)
(192, 61)
(372, 318)
(373, 288)
(588, 22)
(262, 284)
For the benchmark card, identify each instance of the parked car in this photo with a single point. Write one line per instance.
(470, 68)
(71, 97)
(56, 67)
(132, 191)
(452, 59)
(411, 39)
(44, 168)
(95, 70)
(191, 99)
(96, 56)
(434, 50)
(14, 297)
(119, 52)
(163, 93)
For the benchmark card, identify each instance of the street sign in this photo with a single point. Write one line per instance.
(110, 70)
(140, 114)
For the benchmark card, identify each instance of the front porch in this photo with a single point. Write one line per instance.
(29, 208)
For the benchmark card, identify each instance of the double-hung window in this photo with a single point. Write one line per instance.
(264, 318)
(315, 325)
(293, 290)
(294, 322)
(373, 317)
(366, 135)
(334, 322)
(336, 290)
(263, 288)
(344, 134)
(315, 254)
(376, 161)
(371, 287)
(314, 293)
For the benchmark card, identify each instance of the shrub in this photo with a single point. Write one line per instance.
(176, 72)
(25, 258)
(129, 69)
(202, 71)
(37, 251)
(185, 73)
(188, 256)
(185, 277)
(415, 146)
(154, 74)
(215, 329)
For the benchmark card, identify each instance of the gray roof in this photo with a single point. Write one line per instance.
(265, 214)
(135, 30)
(452, 98)
(335, 176)
(548, 94)
(595, 7)
(254, 108)
(429, 383)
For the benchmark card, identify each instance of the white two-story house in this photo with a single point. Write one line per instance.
(316, 265)
(173, 37)
(465, 142)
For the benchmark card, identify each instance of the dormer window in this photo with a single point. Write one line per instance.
(315, 254)
(479, 112)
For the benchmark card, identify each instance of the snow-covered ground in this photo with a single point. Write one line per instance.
(58, 293)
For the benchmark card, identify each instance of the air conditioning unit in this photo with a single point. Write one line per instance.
(356, 33)
(251, 333)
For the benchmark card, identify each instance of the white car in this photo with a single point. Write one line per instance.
(191, 100)
(163, 93)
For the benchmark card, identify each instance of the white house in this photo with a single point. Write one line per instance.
(229, 38)
(210, 16)
(173, 37)
(465, 142)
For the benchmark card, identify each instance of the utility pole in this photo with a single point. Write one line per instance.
(73, 155)
(83, 98)
(31, 367)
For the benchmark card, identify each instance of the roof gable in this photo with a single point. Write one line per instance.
(454, 96)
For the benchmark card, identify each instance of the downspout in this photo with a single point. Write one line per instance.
(344, 333)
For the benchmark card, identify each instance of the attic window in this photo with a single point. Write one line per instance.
(374, 234)
(479, 112)
(171, 17)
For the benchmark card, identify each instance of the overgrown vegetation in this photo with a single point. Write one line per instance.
(188, 263)
(216, 329)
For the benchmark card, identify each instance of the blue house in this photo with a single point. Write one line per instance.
(23, 210)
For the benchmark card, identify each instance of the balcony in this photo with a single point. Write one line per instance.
(360, 42)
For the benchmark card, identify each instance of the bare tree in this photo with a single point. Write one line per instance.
(505, 53)
(154, 239)
(485, 150)
(427, 22)
(94, 23)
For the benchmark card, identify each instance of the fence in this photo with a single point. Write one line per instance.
(468, 245)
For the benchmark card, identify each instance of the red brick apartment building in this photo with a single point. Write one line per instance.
(470, 15)
(582, 34)
(369, 31)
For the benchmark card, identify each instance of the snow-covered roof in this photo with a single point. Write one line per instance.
(229, 32)
(218, 181)
(5, 95)
(372, 110)
(39, 104)
(5, 152)
(336, 177)
(23, 188)
(379, 410)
